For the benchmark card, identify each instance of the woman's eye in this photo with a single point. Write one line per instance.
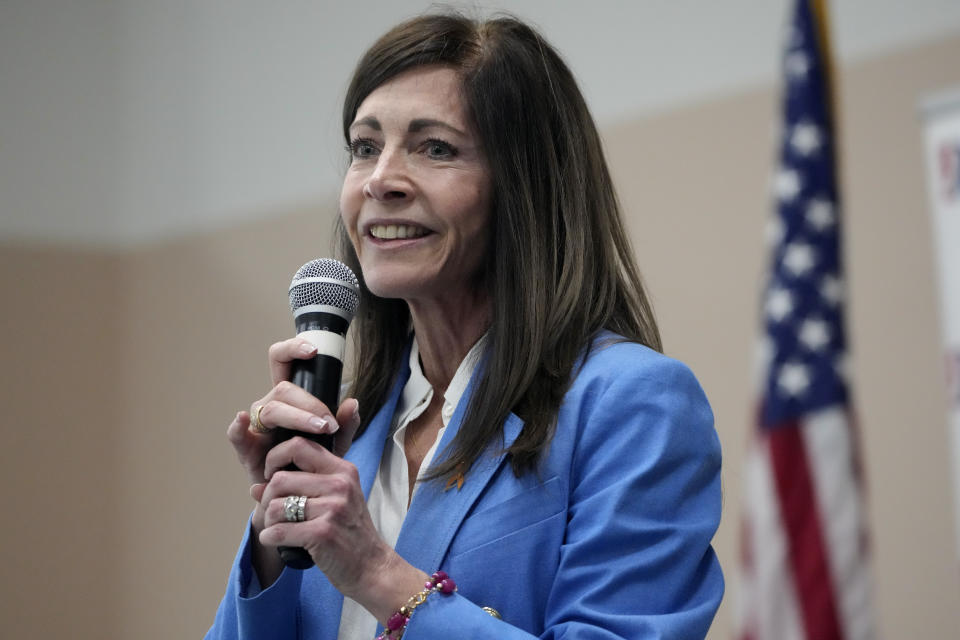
(362, 148)
(440, 149)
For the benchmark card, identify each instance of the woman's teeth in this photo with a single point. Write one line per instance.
(394, 231)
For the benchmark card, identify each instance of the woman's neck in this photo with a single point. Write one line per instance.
(446, 330)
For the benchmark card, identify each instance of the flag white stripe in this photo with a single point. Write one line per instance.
(772, 598)
(829, 441)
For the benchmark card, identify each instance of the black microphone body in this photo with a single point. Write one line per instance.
(323, 298)
(321, 374)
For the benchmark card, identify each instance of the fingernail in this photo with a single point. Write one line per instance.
(356, 412)
(307, 349)
(319, 423)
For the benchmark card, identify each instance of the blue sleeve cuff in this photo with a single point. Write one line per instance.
(453, 616)
(248, 611)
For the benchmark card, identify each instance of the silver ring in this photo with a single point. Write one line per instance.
(293, 508)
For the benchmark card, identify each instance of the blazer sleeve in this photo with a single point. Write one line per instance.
(270, 613)
(644, 503)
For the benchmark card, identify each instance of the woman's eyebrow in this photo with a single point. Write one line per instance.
(369, 121)
(420, 124)
(416, 125)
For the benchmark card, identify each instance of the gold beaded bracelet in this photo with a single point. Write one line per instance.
(397, 623)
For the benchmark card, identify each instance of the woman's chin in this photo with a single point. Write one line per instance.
(419, 282)
(391, 286)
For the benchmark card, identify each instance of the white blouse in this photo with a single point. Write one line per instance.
(387, 503)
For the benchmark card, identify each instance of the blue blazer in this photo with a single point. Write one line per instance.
(610, 539)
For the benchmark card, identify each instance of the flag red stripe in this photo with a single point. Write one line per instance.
(801, 520)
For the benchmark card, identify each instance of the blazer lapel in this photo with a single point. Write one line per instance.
(436, 512)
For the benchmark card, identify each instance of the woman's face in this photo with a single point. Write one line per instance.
(416, 197)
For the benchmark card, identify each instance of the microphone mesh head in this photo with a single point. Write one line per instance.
(325, 282)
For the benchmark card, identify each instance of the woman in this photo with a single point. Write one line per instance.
(520, 431)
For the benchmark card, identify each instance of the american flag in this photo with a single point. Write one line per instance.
(805, 562)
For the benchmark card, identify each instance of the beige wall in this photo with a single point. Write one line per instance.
(59, 452)
(124, 503)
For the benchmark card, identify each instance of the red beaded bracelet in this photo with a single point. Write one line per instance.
(397, 623)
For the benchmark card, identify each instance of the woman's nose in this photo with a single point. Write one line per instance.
(388, 180)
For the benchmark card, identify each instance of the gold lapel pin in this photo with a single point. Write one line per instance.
(457, 479)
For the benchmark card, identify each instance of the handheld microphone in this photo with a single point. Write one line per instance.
(324, 295)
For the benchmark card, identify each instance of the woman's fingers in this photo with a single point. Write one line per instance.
(247, 443)
(276, 413)
(250, 447)
(238, 431)
(282, 353)
(321, 498)
(302, 453)
(319, 510)
(333, 497)
(291, 407)
(288, 406)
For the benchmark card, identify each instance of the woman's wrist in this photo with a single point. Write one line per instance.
(389, 587)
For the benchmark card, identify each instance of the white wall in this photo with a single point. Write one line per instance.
(132, 121)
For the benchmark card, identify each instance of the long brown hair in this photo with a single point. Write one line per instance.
(560, 266)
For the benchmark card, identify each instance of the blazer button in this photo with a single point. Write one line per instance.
(493, 612)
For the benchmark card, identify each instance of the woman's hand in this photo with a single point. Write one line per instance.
(337, 530)
(289, 406)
